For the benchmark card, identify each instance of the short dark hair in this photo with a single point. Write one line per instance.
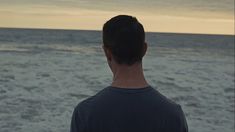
(125, 37)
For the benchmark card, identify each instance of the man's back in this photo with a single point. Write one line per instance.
(128, 110)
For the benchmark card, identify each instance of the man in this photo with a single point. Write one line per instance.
(129, 104)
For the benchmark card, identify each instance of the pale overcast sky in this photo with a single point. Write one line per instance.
(188, 16)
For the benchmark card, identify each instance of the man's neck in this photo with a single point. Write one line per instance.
(129, 77)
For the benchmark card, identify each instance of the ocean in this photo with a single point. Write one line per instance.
(45, 73)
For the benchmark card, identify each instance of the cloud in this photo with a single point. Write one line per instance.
(91, 14)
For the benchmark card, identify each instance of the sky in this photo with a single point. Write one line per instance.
(181, 16)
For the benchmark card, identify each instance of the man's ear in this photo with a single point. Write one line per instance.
(107, 52)
(145, 48)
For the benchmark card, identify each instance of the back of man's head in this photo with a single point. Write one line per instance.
(124, 36)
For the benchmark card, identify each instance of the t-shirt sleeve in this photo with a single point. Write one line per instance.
(183, 122)
(77, 125)
(177, 122)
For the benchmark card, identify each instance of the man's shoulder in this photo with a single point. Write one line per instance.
(170, 105)
(106, 93)
(153, 104)
(90, 101)
(165, 100)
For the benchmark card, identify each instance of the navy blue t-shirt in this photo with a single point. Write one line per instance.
(128, 110)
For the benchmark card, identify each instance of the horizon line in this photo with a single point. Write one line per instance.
(94, 30)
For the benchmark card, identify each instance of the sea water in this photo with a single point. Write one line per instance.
(44, 74)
